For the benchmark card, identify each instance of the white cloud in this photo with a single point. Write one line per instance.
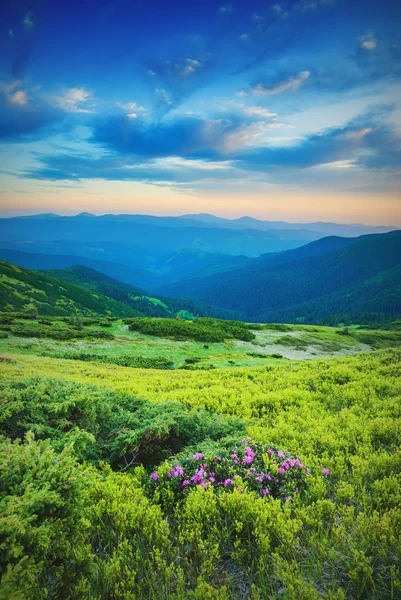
(202, 165)
(187, 67)
(18, 98)
(226, 9)
(279, 11)
(340, 164)
(132, 109)
(259, 111)
(368, 42)
(28, 21)
(163, 96)
(74, 100)
(10, 33)
(289, 85)
(244, 37)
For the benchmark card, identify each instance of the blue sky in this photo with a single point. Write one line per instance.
(275, 109)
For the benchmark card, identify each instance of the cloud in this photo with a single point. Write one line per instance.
(288, 85)
(10, 33)
(279, 11)
(73, 100)
(119, 168)
(20, 117)
(185, 150)
(226, 9)
(259, 111)
(365, 142)
(163, 97)
(132, 109)
(190, 137)
(28, 22)
(368, 42)
(18, 98)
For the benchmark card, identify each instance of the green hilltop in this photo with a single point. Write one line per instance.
(22, 290)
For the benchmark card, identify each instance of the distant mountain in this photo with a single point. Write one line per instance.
(119, 237)
(136, 298)
(34, 260)
(22, 290)
(256, 265)
(347, 230)
(275, 285)
(180, 265)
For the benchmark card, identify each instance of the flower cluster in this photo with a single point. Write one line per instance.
(256, 467)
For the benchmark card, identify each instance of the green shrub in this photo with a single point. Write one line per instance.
(200, 329)
(43, 529)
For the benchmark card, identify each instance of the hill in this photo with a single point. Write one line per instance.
(376, 300)
(26, 291)
(133, 297)
(65, 258)
(275, 283)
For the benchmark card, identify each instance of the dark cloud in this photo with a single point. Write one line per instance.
(169, 152)
(189, 137)
(113, 168)
(24, 121)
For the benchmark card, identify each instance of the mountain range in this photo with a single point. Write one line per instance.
(214, 266)
(329, 280)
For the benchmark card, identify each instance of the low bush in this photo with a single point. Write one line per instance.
(200, 329)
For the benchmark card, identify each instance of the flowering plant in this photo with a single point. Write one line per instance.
(252, 466)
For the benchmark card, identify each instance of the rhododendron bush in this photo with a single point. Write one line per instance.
(247, 466)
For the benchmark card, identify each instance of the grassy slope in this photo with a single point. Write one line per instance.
(292, 343)
(28, 291)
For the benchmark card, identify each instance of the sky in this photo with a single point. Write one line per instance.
(277, 110)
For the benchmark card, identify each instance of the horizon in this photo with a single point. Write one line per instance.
(285, 111)
(191, 216)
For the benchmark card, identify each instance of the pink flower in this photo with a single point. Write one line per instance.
(227, 482)
(265, 492)
(185, 483)
(154, 476)
(288, 498)
(218, 458)
(281, 470)
(270, 452)
(325, 472)
(239, 488)
(198, 456)
(203, 483)
(281, 454)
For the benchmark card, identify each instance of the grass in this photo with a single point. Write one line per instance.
(270, 347)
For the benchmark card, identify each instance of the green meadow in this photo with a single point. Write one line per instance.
(151, 466)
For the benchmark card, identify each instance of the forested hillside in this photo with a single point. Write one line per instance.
(271, 289)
